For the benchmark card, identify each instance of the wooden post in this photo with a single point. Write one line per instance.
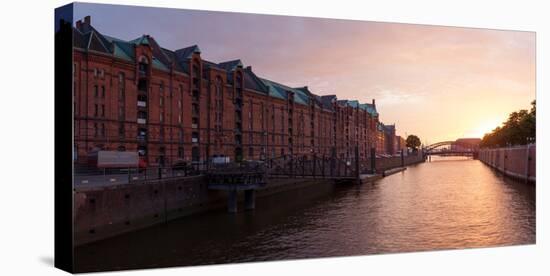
(346, 167)
(291, 166)
(357, 167)
(332, 161)
(339, 168)
(314, 164)
(323, 169)
(303, 166)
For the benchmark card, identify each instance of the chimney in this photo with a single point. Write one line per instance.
(249, 68)
(88, 20)
(373, 102)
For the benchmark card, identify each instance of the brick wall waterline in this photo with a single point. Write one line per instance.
(517, 162)
(106, 211)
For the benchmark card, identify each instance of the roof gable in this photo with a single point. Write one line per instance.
(231, 65)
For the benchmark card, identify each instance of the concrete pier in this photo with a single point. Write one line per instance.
(232, 201)
(249, 199)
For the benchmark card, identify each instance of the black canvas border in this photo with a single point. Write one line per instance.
(63, 136)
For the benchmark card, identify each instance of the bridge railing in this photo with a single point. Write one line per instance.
(311, 165)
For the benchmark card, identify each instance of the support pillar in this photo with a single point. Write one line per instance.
(332, 161)
(249, 199)
(373, 160)
(232, 201)
(357, 165)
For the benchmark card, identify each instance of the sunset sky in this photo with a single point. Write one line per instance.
(440, 83)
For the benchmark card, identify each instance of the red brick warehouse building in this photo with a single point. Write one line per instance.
(174, 105)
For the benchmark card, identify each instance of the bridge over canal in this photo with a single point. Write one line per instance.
(459, 147)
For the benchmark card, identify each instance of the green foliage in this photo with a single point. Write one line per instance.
(413, 142)
(519, 129)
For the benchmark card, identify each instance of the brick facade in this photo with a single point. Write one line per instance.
(174, 105)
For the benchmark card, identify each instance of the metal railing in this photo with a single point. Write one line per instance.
(97, 177)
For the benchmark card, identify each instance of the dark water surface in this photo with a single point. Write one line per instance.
(444, 204)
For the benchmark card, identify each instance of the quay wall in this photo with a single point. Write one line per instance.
(517, 162)
(387, 163)
(107, 211)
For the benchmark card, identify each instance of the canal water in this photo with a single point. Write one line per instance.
(448, 203)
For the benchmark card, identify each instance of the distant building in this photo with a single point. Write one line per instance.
(400, 144)
(466, 144)
(389, 139)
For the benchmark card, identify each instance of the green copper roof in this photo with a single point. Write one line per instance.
(231, 65)
(300, 97)
(274, 89)
(141, 40)
(122, 49)
(353, 104)
(118, 52)
(278, 90)
(369, 108)
(159, 65)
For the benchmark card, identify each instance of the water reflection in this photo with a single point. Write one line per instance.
(438, 205)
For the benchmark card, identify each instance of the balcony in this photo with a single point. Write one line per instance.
(141, 121)
(141, 104)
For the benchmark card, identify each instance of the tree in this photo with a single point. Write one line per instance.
(413, 142)
(519, 129)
